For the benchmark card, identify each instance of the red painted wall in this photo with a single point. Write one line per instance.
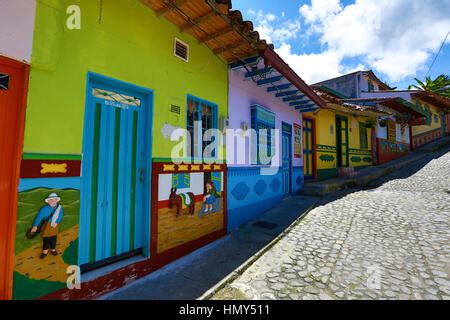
(426, 137)
(388, 151)
(12, 111)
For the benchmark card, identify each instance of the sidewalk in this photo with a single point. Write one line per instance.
(365, 176)
(190, 277)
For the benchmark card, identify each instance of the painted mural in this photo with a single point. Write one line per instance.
(47, 235)
(190, 203)
(298, 147)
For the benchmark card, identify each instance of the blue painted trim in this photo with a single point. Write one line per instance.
(147, 97)
(286, 93)
(299, 103)
(240, 64)
(245, 171)
(308, 110)
(294, 98)
(269, 80)
(280, 87)
(124, 185)
(306, 107)
(241, 215)
(215, 108)
(257, 72)
(49, 183)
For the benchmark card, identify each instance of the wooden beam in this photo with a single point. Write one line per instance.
(170, 6)
(269, 80)
(216, 34)
(280, 87)
(230, 47)
(258, 72)
(273, 59)
(197, 21)
(286, 93)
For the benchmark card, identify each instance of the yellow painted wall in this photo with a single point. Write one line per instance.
(417, 130)
(326, 142)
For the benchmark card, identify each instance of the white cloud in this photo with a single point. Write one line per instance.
(319, 10)
(272, 30)
(315, 67)
(395, 38)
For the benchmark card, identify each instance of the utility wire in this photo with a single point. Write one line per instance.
(435, 58)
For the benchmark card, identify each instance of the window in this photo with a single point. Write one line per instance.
(370, 85)
(201, 117)
(364, 144)
(4, 81)
(263, 119)
(181, 50)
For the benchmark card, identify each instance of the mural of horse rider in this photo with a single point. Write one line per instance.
(47, 223)
(210, 197)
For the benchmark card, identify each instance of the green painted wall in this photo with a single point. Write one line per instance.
(130, 44)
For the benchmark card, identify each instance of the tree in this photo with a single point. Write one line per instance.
(440, 85)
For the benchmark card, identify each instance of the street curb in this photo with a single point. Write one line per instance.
(247, 264)
(325, 189)
(361, 181)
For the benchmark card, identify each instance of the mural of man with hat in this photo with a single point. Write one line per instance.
(49, 218)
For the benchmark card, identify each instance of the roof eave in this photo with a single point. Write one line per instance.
(273, 59)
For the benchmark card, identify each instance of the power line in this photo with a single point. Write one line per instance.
(435, 58)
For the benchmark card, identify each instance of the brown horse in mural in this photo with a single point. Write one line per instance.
(182, 201)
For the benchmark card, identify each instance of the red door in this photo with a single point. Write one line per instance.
(13, 88)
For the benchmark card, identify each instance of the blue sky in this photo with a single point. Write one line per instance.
(321, 39)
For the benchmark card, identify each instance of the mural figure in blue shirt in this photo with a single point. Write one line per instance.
(50, 216)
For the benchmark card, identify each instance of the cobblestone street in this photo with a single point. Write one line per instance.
(390, 242)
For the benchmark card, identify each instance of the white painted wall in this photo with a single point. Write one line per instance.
(402, 137)
(406, 95)
(381, 132)
(17, 28)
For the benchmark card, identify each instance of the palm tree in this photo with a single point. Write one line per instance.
(440, 85)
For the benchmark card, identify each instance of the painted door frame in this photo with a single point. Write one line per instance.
(314, 146)
(339, 156)
(290, 147)
(8, 210)
(147, 95)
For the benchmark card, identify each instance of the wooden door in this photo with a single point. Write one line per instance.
(342, 141)
(116, 167)
(286, 161)
(13, 88)
(308, 148)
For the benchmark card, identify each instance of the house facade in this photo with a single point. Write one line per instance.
(113, 150)
(342, 137)
(15, 55)
(264, 148)
(432, 125)
(365, 85)
(354, 85)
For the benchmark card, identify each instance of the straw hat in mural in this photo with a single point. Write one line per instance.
(52, 196)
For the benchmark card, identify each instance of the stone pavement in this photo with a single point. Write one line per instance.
(392, 242)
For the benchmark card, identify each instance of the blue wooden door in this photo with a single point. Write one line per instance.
(116, 173)
(286, 162)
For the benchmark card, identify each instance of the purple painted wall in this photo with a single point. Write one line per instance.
(242, 94)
